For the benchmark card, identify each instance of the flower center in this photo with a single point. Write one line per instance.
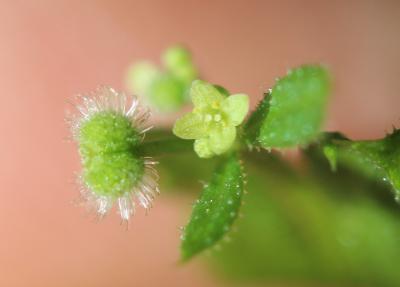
(213, 116)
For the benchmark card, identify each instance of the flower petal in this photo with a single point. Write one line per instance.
(204, 94)
(203, 148)
(236, 108)
(221, 139)
(190, 126)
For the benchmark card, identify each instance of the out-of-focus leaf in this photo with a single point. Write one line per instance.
(383, 154)
(215, 211)
(376, 159)
(323, 228)
(293, 112)
(337, 150)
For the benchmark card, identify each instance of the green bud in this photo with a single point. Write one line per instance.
(178, 61)
(167, 93)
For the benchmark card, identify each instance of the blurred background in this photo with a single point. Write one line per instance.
(53, 49)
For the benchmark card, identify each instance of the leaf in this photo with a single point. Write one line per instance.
(323, 228)
(375, 159)
(336, 148)
(292, 113)
(215, 210)
(384, 155)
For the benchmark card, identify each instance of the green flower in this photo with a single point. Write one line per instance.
(213, 121)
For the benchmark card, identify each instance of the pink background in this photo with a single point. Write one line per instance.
(50, 50)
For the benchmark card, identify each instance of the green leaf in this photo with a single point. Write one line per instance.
(323, 228)
(337, 150)
(375, 159)
(384, 155)
(292, 113)
(215, 210)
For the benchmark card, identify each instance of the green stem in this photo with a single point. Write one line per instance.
(165, 146)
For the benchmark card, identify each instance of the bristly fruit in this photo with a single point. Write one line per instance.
(108, 129)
